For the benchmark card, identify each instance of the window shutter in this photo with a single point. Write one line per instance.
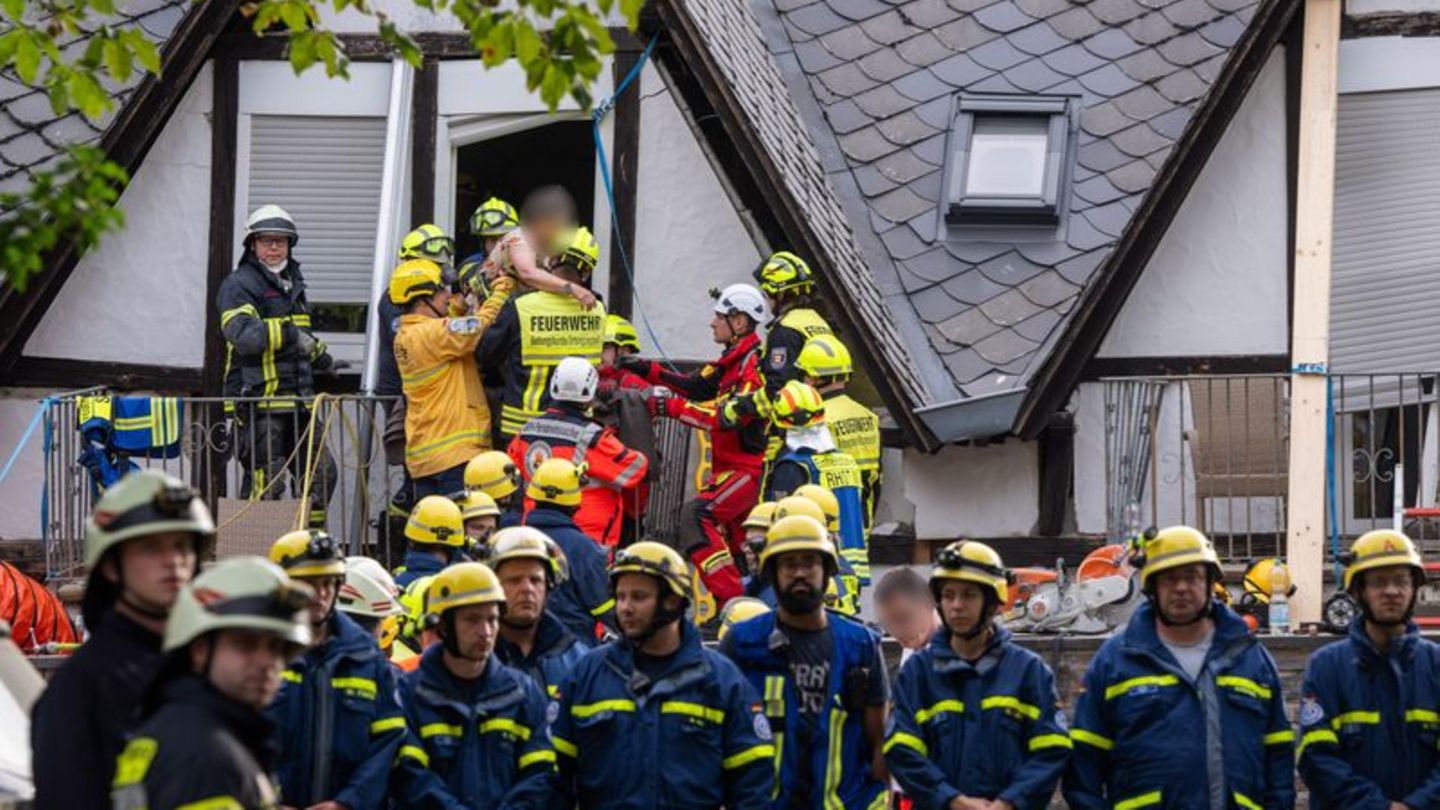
(326, 173)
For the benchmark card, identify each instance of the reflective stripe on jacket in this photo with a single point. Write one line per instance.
(260, 320)
(552, 657)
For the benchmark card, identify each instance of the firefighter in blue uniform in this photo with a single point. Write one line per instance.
(478, 731)
(583, 600)
(1183, 708)
(976, 715)
(821, 676)
(1368, 711)
(435, 534)
(337, 722)
(654, 719)
(531, 566)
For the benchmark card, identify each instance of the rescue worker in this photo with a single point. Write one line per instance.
(337, 722)
(491, 221)
(621, 342)
(142, 545)
(566, 430)
(1368, 705)
(447, 419)
(479, 735)
(830, 507)
(583, 599)
(530, 567)
(756, 524)
(435, 534)
(841, 592)
(811, 457)
(821, 676)
(826, 364)
(739, 609)
(271, 356)
(493, 473)
(205, 740)
(371, 600)
(481, 516)
(419, 630)
(654, 719)
(1183, 707)
(711, 530)
(540, 329)
(1015, 753)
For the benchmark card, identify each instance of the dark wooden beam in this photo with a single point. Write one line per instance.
(1294, 48)
(624, 169)
(425, 109)
(1426, 24)
(1101, 367)
(440, 45)
(53, 373)
(1057, 467)
(223, 125)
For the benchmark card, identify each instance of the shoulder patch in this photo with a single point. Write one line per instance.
(464, 326)
(762, 727)
(1311, 712)
(778, 356)
(1062, 720)
(552, 712)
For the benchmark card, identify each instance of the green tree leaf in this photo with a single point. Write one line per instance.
(118, 60)
(27, 57)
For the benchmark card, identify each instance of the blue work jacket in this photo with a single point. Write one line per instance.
(584, 597)
(551, 658)
(417, 564)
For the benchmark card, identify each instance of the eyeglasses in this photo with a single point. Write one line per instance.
(272, 241)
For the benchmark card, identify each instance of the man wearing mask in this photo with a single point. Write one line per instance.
(531, 566)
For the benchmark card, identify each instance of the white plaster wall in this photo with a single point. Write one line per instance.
(20, 491)
(139, 297)
(411, 17)
(990, 491)
(1217, 283)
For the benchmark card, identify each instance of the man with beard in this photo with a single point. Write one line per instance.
(658, 692)
(532, 641)
(1013, 755)
(1183, 708)
(821, 675)
(1368, 717)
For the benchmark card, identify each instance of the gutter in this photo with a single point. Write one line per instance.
(979, 417)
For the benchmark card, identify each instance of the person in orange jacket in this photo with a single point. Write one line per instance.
(566, 430)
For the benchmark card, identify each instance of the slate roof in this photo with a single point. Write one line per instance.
(32, 136)
(875, 83)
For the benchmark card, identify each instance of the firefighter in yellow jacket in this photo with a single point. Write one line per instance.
(447, 420)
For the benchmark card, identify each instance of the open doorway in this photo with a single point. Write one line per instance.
(509, 166)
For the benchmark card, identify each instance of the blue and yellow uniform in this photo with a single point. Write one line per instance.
(553, 656)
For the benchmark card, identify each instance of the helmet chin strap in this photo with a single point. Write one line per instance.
(986, 621)
(663, 616)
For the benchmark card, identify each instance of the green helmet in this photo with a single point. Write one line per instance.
(141, 504)
(241, 593)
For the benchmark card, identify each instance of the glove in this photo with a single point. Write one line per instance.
(658, 401)
(305, 342)
(638, 366)
(323, 363)
(736, 410)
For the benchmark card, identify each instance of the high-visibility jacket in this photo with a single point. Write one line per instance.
(337, 722)
(532, 335)
(838, 473)
(583, 599)
(261, 315)
(856, 430)
(552, 657)
(447, 420)
(988, 729)
(480, 745)
(784, 339)
(691, 736)
(1370, 722)
(613, 469)
(736, 373)
(835, 753)
(1146, 735)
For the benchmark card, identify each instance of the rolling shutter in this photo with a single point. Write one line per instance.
(1386, 283)
(326, 173)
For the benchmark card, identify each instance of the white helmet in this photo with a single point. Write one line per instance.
(369, 590)
(574, 380)
(742, 298)
(271, 219)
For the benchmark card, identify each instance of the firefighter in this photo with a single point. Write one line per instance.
(481, 516)
(756, 524)
(447, 419)
(1368, 719)
(841, 592)
(271, 357)
(371, 599)
(531, 566)
(435, 534)
(821, 676)
(811, 457)
(654, 719)
(567, 431)
(538, 330)
(1014, 754)
(479, 735)
(142, 545)
(826, 364)
(583, 599)
(491, 221)
(622, 342)
(205, 740)
(737, 610)
(1184, 705)
(848, 579)
(493, 473)
(337, 723)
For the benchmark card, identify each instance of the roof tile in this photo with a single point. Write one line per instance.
(848, 43)
(1041, 9)
(865, 145)
(903, 243)
(998, 54)
(1142, 103)
(1033, 76)
(1009, 269)
(1187, 50)
(1099, 190)
(1103, 120)
(972, 287)
(816, 19)
(1003, 16)
(935, 265)
(1112, 43)
(905, 129)
(846, 80)
(969, 6)
(858, 10)
(960, 70)
(889, 28)
(923, 50)
(1150, 29)
(1145, 66)
(964, 34)
(903, 166)
(26, 150)
(933, 305)
(1182, 86)
(1082, 235)
(967, 366)
(1101, 155)
(1039, 327)
(885, 65)
(32, 110)
(1209, 70)
(1004, 346)
(882, 102)
(1172, 124)
(1076, 23)
(937, 112)
(1139, 140)
(923, 85)
(967, 329)
(1118, 12)
(927, 14)
(846, 117)
(975, 251)
(1107, 82)
(1189, 14)
(1224, 32)
(813, 56)
(1134, 177)
(1038, 39)
(871, 182)
(1009, 308)
(932, 150)
(1109, 219)
(1073, 60)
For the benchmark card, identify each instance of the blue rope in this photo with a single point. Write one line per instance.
(25, 437)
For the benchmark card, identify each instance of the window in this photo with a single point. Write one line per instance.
(1007, 160)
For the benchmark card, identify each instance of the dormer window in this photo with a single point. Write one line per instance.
(1008, 160)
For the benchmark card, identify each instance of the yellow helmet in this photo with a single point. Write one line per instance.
(494, 217)
(427, 242)
(1175, 547)
(1382, 548)
(413, 600)
(471, 276)
(969, 561)
(824, 357)
(740, 609)
(308, 553)
(797, 405)
(557, 481)
(413, 279)
(436, 521)
(1257, 579)
(369, 590)
(241, 593)
(529, 543)
(761, 516)
(826, 500)
(798, 504)
(621, 332)
(473, 504)
(783, 272)
(580, 248)
(656, 559)
(462, 584)
(493, 473)
(799, 533)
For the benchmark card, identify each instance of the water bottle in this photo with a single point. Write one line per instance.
(1279, 599)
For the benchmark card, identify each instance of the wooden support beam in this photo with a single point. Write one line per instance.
(1310, 339)
(423, 132)
(625, 168)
